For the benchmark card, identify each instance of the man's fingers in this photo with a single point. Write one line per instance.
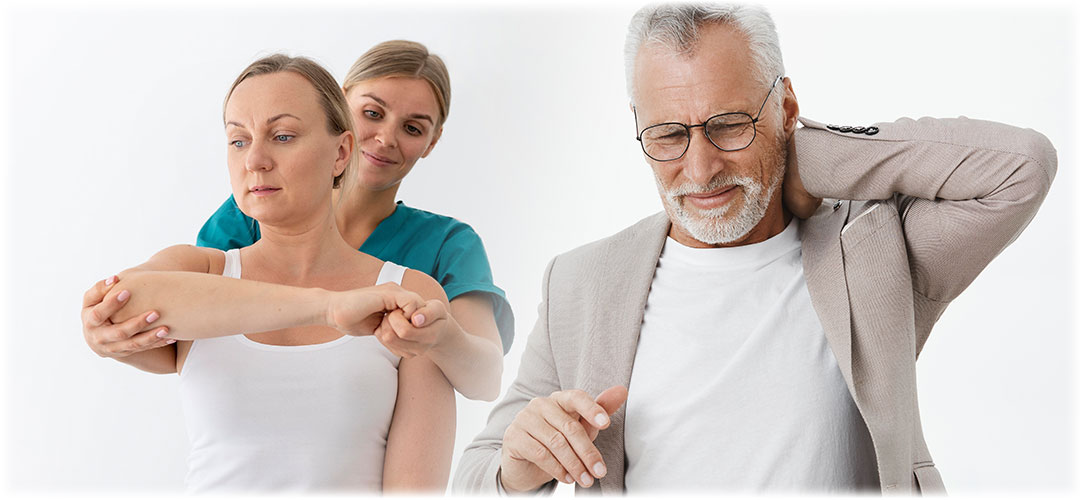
(97, 292)
(612, 398)
(576, 450)
(577, 401)
(522, 446)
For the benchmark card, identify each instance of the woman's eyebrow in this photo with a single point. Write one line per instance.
(376, 99)
(271, 120)
(422, 117)
(418, 116)
(283, 115)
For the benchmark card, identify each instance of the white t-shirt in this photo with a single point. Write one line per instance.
(734, 385)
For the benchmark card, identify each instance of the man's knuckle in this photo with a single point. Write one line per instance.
(571, 428)
(537, 452)
(592, 455)
(556, 442)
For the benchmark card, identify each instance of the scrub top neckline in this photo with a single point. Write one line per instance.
(385, 231)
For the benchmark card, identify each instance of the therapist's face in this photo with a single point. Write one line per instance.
(282, 157)
(395, 120)
(712, 197)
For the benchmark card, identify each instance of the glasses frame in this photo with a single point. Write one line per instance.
(689, 132)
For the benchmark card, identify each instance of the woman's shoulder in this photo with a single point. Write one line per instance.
(187, 258)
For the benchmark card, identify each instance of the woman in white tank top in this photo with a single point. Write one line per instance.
(275, 397)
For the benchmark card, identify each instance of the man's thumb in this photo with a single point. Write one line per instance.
(611, 399)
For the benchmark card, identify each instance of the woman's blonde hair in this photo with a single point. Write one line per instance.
(408, 59)
(338, 116)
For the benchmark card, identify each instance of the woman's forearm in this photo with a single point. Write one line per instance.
(471, 363)
(198, 305)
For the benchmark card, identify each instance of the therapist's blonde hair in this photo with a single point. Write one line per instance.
(338, 116)
(407, 59)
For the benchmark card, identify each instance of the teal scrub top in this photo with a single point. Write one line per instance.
(441, 247)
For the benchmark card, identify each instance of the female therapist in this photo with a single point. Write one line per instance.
(399, 95)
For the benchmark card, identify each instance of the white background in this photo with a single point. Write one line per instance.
(114, 149)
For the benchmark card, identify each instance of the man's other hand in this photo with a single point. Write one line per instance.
(552, 438)
(796, 199)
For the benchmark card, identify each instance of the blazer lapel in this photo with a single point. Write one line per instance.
(608, 357)
(823, 264)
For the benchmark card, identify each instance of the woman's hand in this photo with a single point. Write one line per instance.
(118, 340)
(402, 320)
(410, 335)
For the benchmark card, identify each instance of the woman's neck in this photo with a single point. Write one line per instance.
(360, 211)
(308, 250)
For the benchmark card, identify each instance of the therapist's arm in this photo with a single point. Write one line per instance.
(462, 340)
(473, 359)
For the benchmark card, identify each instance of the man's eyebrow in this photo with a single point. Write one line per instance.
(271, 120)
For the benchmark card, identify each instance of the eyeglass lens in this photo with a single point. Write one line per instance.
(668, 141)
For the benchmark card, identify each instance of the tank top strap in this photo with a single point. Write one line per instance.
(232, 264)
(390, 272)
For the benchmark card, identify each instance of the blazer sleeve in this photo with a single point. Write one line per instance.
(478, 468)
(964, 189)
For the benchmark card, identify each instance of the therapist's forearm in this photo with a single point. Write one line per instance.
(198, 305)
(471, 363)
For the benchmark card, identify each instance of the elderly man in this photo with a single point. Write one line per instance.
(767, 323)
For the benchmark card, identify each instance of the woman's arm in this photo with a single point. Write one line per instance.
(198, 305)
(462, 339)
(420, 444)
(472, 358)
(135, 341)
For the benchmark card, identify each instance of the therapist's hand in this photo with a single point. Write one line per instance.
(552, 438)
(118, 340)
(415, 332)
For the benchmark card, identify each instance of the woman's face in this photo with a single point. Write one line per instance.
(282, 157)
(395, 126)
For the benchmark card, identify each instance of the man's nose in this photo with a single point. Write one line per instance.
(702, 160)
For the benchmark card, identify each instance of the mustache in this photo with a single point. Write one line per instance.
(713, 184)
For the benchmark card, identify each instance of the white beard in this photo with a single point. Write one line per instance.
(710, 226)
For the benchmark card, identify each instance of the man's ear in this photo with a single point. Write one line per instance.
(434, 140)
(791, 107)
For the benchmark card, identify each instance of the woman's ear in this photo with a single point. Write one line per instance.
(346, 148)
(434, 140)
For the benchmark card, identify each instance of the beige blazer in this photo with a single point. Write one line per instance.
(943, 198)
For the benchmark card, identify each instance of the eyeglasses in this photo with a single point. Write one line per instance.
(727, 131)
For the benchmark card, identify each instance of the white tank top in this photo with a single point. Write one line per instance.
(269, 418)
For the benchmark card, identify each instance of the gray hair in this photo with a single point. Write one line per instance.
(675, 26)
